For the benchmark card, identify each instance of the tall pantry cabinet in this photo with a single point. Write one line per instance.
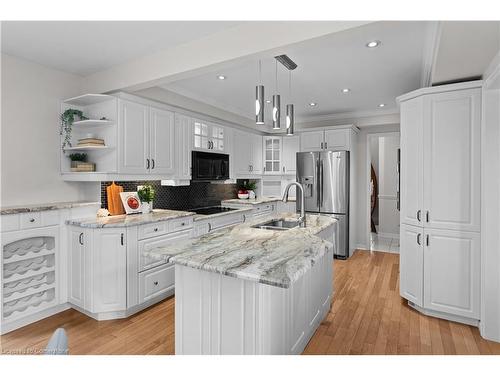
(440, 200)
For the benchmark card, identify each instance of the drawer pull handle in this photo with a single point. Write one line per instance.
(32, 220)
(155, 283)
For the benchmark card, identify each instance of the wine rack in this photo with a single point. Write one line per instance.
(29, 276)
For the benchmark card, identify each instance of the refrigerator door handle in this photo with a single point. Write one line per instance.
(321, 183)
(318, 201)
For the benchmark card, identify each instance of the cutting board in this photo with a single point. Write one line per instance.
(115, 206)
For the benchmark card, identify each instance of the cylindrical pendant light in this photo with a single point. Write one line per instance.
(276, 104)
(259, 100)
(290, 117)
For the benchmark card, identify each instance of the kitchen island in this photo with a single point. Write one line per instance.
(247, 290)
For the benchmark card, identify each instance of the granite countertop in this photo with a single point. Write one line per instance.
(272, 257)
(120, 221)
(251, 201)
(198, 217)
(45, 207)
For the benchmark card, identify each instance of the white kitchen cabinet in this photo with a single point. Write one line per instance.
(337, 139)
(452, 272)
(411, 263)
(440, 200)
(290, 146)
(162, 141)
(134, 137)
(183, 146)
(452, 160)
(146, 136)
(247, 153)
(108, 275)
(78, 244)
(97, 274)
(208, 136)
(272, 154)
(330, 139)
(312, 141)
(412, 162)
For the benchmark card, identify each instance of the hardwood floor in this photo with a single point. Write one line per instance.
(368, 317)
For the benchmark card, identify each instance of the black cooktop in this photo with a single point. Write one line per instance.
(211, 210)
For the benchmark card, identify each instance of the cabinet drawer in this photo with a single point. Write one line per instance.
(180, 224)
(225, 221)
(145, 246)
(10, 222)
(30, 220)
(156, 281)
(153, 230)
(264, 209)
(51, 217)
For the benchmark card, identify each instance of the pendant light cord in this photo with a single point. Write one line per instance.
(260, 72)
(276, 76)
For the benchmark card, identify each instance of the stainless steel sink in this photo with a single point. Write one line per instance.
(278, 224)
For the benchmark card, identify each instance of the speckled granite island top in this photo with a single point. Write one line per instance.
(45, 207)
(119, 221)
(272, 257)
(251, 201)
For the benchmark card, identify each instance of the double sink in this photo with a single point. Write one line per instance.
(278, 224)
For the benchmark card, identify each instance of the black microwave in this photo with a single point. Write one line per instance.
(208, 166)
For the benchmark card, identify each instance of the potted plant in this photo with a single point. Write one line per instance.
(251, 187)
(146, 194)
(67, 118)
(76, 159)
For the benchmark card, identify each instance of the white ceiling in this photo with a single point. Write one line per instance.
(466, 48)
(85, 47)
(325, 66)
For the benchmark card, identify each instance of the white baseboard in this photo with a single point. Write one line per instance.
(445, 316)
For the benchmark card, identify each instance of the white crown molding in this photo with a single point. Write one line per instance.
(431, 48)
(348, 115)
(492, 73)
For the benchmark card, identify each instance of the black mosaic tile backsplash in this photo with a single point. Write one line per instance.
(198, 194)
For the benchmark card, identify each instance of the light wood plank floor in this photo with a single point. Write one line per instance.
(368, 317)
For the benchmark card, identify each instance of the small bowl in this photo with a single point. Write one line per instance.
(243, 196)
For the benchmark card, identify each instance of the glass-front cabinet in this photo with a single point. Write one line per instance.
(272, 155)
(208, 136)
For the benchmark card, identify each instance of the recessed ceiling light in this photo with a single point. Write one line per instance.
(381, 105)
(313, 104)
(373, 44)
(268, 101)
(221, 77)
(346, 90)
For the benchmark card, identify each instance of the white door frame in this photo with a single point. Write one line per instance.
(369, 137)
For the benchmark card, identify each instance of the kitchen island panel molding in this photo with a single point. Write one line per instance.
(217, 314)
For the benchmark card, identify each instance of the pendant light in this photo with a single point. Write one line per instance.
(290, 117)
(259, 100)
(276, 104)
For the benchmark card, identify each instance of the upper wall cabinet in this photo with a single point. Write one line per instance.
(333, 140)
(272, 154)
(146, 139)
(183, 146)
(440, 160)
(208, 137)
(290, 146)
(247, 153)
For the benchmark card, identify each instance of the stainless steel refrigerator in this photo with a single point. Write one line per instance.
(324, 176)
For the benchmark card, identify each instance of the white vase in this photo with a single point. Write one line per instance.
(146, 207)
(251, 194)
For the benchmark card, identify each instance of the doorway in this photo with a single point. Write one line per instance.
(383, 188)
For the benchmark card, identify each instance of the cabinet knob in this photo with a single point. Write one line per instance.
(155, 283)
(183, 224)
(32, 220)
(155, 230)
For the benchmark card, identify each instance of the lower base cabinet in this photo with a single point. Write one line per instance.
(97, 264)
(155, 282)
(440, 270)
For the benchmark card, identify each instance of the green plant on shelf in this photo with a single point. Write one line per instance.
(146, 193)
(67, 118)
(78, 157)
